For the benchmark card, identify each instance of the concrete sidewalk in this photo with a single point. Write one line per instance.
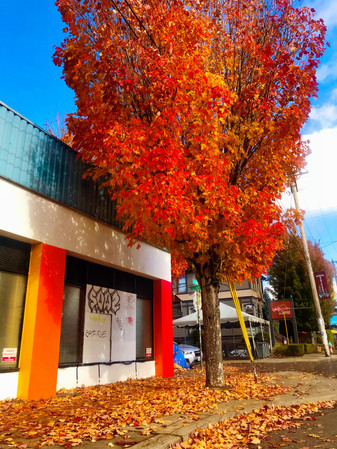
(309, 378)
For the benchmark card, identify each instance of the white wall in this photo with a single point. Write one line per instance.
(8, 385)
(73, 377)
(26, 215)
(103, 374)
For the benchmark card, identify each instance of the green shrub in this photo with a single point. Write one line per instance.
(258, 336)
(280, 349)
(309, 348)
(330, 336)
(291, 350)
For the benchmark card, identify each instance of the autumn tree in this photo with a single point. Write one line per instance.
(288, 276)
(190, 112)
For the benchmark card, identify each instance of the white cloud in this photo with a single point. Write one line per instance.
(333, 94)
(327, 72)
(327, 10)
(325, 115)
(317, 188)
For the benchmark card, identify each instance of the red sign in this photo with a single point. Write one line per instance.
(322, 285)
(280, 310)
(9, 354)
(148, 352)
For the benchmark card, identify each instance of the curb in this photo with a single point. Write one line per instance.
(305, 387)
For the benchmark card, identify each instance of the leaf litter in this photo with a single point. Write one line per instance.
(107, 412)
(247, 429)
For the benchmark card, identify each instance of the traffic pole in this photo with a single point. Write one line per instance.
(320, 321)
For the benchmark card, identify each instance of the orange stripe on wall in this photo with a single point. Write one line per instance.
(163, 328)
(40, 343)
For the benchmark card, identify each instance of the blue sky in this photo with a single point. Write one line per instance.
(32, 85)
(317, 186)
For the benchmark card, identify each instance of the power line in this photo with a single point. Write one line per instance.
(141, 24)
(138, 19)
(125, 19)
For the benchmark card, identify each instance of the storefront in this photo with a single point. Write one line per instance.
(79, 307)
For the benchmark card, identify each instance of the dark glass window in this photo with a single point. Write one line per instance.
(12, 300)
(144, 329)
(71, 327)
(14, 255)
(76, 271)
(14, 265)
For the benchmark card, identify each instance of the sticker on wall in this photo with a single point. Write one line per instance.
(148, 352)
(109, 325)
(9, 354)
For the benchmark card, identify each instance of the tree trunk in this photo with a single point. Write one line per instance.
(212, 342)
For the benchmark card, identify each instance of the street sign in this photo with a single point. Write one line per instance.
(322, 285)
(280, 310)
(195, 285)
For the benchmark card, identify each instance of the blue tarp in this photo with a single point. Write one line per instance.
(333, 320)
(178, 357)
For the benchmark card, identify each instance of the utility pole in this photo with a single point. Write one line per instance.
(320, 321)
(335, 262)
(197, 297)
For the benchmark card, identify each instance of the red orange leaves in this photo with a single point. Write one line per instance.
(191, 115)
(107, 412)
(251, 428)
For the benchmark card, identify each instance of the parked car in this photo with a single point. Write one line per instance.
(191, 353)
(238, 353)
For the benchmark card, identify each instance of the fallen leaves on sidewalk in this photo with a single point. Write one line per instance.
(103, 412)
(251, 428)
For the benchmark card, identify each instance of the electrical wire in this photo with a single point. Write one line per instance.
(142, 25)
(138, 19)
(124, 18)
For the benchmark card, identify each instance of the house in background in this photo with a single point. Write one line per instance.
(250, 295)
(78, 306)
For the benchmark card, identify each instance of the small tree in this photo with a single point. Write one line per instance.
(190, 111)
(288, 276)
(59, 129)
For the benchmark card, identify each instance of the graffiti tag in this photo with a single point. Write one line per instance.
(96, 333)
(103, 300)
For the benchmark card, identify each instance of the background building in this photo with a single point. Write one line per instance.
(250, 295)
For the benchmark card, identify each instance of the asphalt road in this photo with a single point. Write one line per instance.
(319, 432)
(310, 363)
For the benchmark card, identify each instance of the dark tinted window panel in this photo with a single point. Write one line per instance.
(71, 326)
(100, 275)
(14, 256)
(80, 272)
(12, 300)
(76, 270)
(144, 329)
(124, 281)
(144, 287)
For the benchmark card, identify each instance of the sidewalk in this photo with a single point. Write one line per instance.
(158, 413)
(305, 386)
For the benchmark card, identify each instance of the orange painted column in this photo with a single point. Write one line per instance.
(163, 328)
(40, 343)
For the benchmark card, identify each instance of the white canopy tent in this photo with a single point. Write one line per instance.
(228, 318)
(227, 315)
